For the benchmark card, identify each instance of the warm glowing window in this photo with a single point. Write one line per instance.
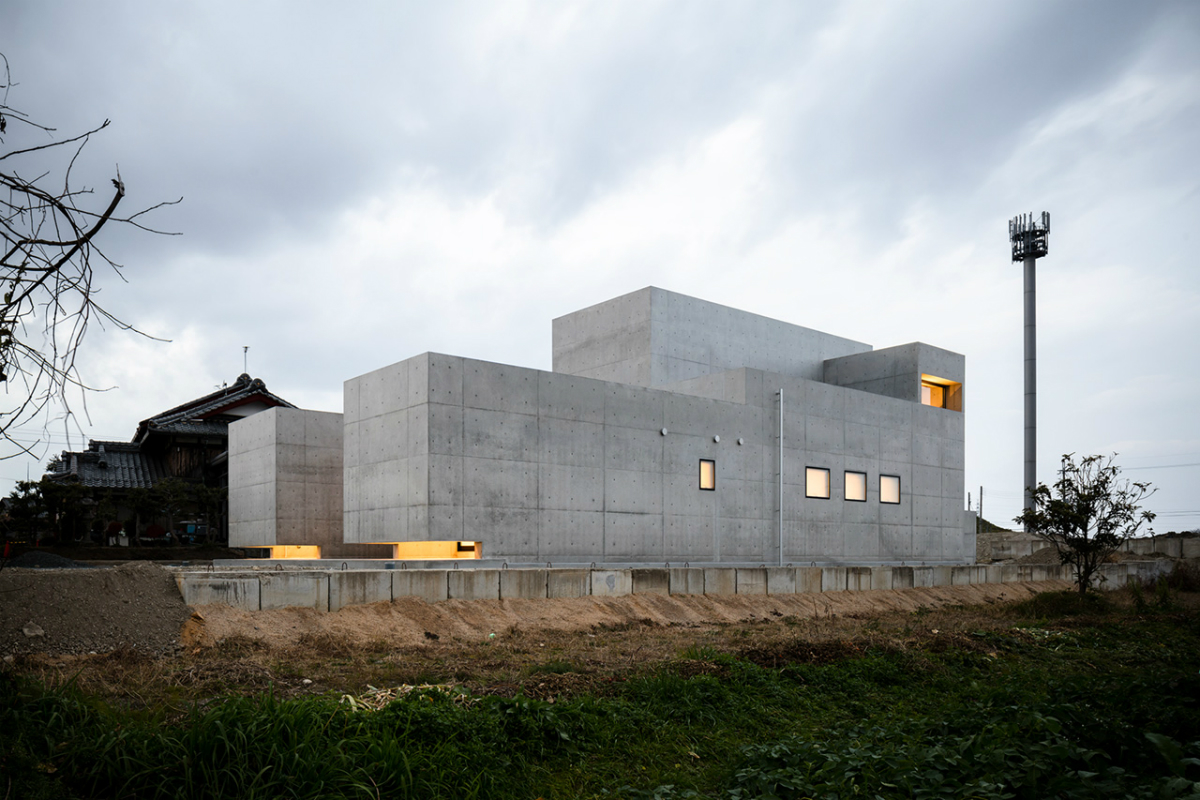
(466, 547)
(816, 482)
(889, 489)
(708, 474)
(856, 486)
(933, 395)
(941, 393)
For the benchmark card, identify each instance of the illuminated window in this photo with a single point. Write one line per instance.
(941, 393)
(933, 395)
(816, 482)
(466, 547)
(889, 489)
(856, 486)
(708, 475)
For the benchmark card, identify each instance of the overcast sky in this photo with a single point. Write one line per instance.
(364, 182)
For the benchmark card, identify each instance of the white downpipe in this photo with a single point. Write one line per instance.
(781, 476)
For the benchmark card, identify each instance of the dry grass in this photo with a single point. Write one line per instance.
(539, 663)
(542, 663)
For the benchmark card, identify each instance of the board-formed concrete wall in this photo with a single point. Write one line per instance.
(543, 466)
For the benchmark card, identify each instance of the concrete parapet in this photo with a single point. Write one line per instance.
(833, 579)
(1190, 547)
(358, 588)
(923, 577)
(651, 581)
(1010, 573)
(525, 584)
(751, 580)
(284, 589)
(239, 592)
(568, 583)
(808, 580)
(687, 580)
(902, 578)
(994, 573)
(781, 580)
(942, 576)
(883, 577)
(428, 584)
(858, 579)
(473, 584)
(611, 582)
(720, 580)
(960, 576)
(1112, 576)
(1043, 572)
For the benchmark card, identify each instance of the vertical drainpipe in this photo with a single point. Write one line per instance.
(781, 476)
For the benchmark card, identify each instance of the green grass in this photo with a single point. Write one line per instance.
(1105, 705)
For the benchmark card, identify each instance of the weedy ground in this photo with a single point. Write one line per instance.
(1054, 696)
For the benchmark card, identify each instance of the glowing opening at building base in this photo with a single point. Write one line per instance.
(295, 551)
(426, 551)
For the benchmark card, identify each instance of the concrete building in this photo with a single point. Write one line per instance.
(670, 429)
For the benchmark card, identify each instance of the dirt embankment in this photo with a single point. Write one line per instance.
(137, 606)
(411, 621)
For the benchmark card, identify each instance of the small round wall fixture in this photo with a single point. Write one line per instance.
(716, 438)
(664, 431)
(741, 440)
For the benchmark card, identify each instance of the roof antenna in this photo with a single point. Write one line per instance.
(245, 350)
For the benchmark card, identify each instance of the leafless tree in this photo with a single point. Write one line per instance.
(48, 266)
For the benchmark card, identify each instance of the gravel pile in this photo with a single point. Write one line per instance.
(134, 606)
(40, 559)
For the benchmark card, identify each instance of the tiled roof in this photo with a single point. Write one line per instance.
(242, 390)
(124, 465)
(110, 465)
(187, 427)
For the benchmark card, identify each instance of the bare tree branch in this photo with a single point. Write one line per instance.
(47, 274)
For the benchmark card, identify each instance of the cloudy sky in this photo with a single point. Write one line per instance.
(363, 182)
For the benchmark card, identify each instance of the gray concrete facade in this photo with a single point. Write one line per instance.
(285, 482)
(653, 337)
(330, 590)
(555, 466)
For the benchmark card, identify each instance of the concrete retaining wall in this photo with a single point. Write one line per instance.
(332, 590)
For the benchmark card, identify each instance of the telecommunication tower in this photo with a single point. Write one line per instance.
(1030, 239)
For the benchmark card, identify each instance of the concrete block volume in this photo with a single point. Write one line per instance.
(670, 431)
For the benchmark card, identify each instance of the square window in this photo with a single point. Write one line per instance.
(816, 482)
(889, 489)
(856, 486)
(708, 475)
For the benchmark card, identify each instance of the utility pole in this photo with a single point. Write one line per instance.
(1030, 240)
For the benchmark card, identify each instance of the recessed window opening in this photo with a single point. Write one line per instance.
(466, 547)
(816, 482)
(708, 475)
(941, 393)
(856, 486)
(889, 489)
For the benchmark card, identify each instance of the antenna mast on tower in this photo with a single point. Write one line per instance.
(1030, 239)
